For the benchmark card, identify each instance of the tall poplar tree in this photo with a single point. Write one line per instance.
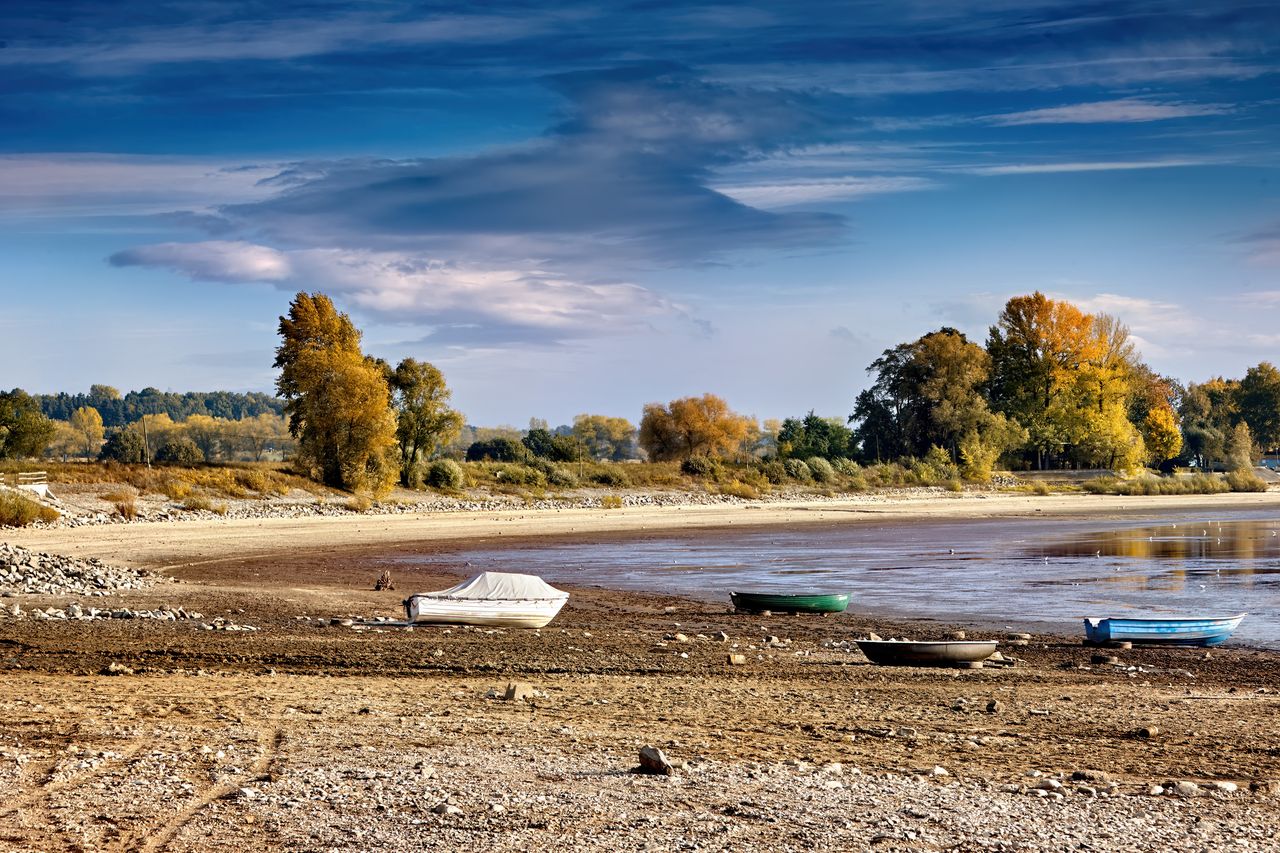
(337, 399)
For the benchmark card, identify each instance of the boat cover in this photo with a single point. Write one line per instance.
(498, 586)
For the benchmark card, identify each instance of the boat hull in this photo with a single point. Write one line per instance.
(423, 609)
(756, 602)
(926, 653)
(1166, 632)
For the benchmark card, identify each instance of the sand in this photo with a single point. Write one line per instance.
(306, 735)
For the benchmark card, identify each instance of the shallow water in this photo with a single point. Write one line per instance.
(1011, 573)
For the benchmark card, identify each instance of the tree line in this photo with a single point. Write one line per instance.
(1052, 386)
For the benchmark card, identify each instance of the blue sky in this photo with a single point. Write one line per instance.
(586, 207)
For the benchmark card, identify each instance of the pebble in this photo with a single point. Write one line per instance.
(27, 572)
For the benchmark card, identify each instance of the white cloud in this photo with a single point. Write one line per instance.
(1095, 166)
(786, 193)
(37, 185)
(1097, 112)
(526, 303)
(213, 260)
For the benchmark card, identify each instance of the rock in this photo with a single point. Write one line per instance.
(654, 761)
(956, 635)
(114, 668)
(518, 691)
(1048, 784)
(1096, 776)
(1107, 660)
(906, 732)
(1019, 636)
(681, 638)
(835, 768)
(939, 771)
(1156, 790)
(1265, 787)
(736, 660)
(1185, 789)
(994, 707)
(873, 636)
(1225, 787)
(446, 809)
(722, 637)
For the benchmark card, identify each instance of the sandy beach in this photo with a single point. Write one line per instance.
(307, 734)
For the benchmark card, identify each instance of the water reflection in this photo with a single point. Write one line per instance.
(1006, 572)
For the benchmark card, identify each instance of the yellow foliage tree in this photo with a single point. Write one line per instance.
(692, 426)
(337, 399)
(1163, 438)
(87, 423)
(605, 437)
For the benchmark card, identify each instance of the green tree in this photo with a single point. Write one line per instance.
(1208, 412)
(337, 400)
(424, 420)
(24, 430)
(692, 426)
(813, 436)
(124, 445)
(88, 426)
(180, 451)
(1259, 404)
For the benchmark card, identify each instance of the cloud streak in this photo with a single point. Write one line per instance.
(1100, 112)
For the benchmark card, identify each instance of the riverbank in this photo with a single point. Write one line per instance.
(306, 734)
(182, 541)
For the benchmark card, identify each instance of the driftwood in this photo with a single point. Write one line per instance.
(384, 581)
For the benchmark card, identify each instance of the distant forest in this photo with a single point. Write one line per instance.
(120, 410)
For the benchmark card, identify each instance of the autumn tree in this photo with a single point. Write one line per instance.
(424, 420)
(691, 426)
(606, 437)
(87, 424)
(1240, 449)
(1161, 435)
(929, 393)
(337, 399)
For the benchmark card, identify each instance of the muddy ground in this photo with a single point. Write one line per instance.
(308, 735)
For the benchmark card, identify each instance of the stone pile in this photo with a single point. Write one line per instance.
(33, 573)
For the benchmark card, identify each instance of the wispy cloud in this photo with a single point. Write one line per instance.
(786, 194)
(1099, 112)
(1088, 166)
(34, 185)
(459, 302)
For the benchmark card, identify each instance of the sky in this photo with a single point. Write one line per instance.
(574, 208)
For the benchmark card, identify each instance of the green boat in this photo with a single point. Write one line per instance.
(755, 602)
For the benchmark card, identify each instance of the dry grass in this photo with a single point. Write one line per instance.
(238, 480)
(359, 503)
(18, 510)
(119, 496)
(611, 502)
(127, 509)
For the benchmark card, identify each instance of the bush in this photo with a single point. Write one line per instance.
(180, 450)
(198, 503)
(610, 476)
(774, 471)
(252, 478)
(18, 510)
(175, 489)
(701, 466)
(124, 445)
(561, 477)
(797, 469)
(1245, 481)
(520, 475)
(445, 474)
(739, 489)
(359, 503)
(821, 469)
(127, 510)
(846, 466)
(611, 502)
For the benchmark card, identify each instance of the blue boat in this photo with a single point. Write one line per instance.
(1202, 631)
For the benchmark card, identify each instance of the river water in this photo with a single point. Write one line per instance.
(1009, 573)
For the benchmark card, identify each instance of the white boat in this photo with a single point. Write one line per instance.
(490, 598)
